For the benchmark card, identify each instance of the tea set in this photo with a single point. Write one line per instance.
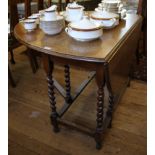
(80, 27)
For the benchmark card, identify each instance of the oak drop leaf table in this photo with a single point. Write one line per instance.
(109, 59)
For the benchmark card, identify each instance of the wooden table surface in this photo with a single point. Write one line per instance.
(62, 45)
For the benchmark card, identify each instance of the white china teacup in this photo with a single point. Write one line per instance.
(30, 24)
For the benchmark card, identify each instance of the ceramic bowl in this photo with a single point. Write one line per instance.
(52, 27)
(84, 30)
(29, 24)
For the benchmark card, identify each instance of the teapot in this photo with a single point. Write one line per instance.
(29, 24)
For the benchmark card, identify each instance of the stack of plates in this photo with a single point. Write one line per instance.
(114, 6)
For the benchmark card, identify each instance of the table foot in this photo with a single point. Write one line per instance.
(128, 85)
(52, 104)
(12, 61)
(98, 138)
(69, 100)
(56, 130)
(98, 146)
(110, 124)
(54, 122)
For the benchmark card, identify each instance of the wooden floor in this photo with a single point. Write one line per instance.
(30, 131)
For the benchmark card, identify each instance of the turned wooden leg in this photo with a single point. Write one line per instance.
(12, 60)
(48, 66)
(68, 97)
(110, 110)
(111, 96)
(99, 128)
(51, 95)
(100, 106)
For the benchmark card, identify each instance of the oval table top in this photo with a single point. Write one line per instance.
(62, 45)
